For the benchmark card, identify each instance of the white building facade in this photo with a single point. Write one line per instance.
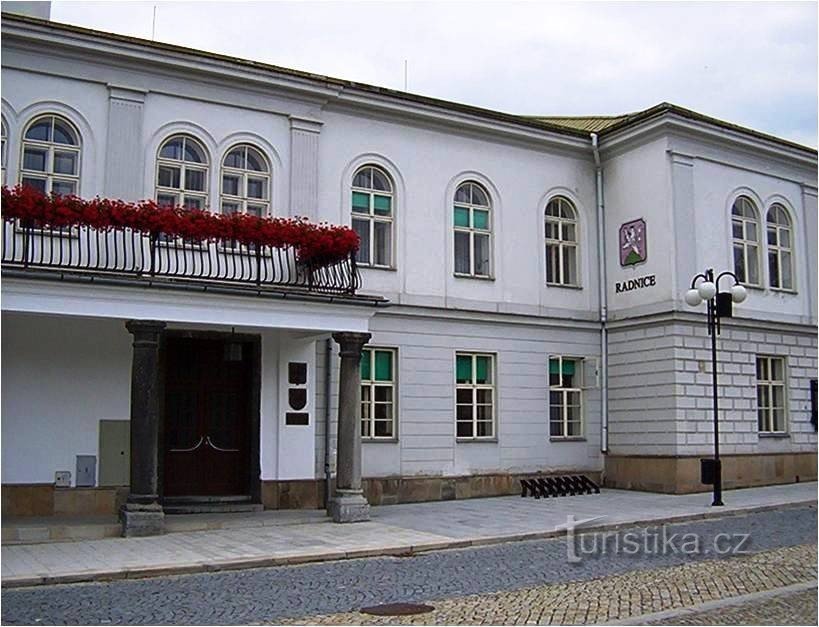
(508, 335)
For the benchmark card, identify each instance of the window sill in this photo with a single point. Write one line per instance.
(379, 440)
(365, 266)
(575, 438)
(783, 290)
(476, 440)
(774, 435)
(479, 277)
(565, 286)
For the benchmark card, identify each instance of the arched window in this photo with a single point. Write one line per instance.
(745, 234)
(473, 230)
(3, 149)
(780, 248)
(182, 173)
(561, 242)
(373, 216)
(245, 182)
(51, 156)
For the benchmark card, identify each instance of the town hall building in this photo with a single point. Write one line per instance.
(515, 306)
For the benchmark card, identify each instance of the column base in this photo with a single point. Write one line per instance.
(349, 506)
(142, 520)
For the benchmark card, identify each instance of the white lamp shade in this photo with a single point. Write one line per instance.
(738, 293)
(707, 290)
(692, 297)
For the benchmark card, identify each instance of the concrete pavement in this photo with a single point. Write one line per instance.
(393, 530)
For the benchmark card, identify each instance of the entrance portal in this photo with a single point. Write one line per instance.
(207, 426)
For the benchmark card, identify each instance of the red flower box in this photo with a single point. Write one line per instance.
(318, 244)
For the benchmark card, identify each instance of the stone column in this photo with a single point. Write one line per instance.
(142, 514)
(348, 503)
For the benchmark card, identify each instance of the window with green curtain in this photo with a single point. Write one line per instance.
(383, 366)
(361, 202)
(463, 368)
(481, 219)
(365, 364)
(462, 216)
(382, 205)
(482, 369)
(568, 366)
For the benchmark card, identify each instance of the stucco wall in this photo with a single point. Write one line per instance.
(61, 376)
(426, 444)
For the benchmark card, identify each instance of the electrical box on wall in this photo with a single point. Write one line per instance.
(86, 471)
(62, 479)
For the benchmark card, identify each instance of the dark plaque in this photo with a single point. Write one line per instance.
(298, 418)
(297, 373)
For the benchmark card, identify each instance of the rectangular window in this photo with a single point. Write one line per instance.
(771, 402)
(565, 397)
(813, 404)
(378, 393)
(475, 395)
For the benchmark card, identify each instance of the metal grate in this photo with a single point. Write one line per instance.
(560, 485)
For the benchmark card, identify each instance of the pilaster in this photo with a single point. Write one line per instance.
(304, 142)
(124, 152)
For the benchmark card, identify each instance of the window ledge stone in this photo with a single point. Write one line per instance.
(557, 438)
(774, 436)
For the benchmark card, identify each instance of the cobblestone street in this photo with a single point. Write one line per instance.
(516, 582)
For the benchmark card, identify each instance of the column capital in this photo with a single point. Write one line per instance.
(351, 343)
(145, 330)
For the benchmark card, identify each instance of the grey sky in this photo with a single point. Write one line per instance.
(753, 64)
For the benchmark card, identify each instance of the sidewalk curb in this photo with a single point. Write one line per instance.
(164, 570)
(715, 604)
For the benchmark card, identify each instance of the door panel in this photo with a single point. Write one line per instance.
(207, 417)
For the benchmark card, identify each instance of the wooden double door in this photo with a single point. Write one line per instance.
(207, 416)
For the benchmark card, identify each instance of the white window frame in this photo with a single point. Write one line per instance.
(49, 175)
(564, 391)
(740, 204)
(778, 249)
(4, 141)
(368, 434)
(371, 217)
(473, 231)
(561, 243)
(243, 199)
(765, 414)
(180, 192)
(474, 387)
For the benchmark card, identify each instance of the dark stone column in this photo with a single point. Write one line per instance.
(142, 514)
(348, 504)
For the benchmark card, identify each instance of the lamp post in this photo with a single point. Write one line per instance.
(719, 305)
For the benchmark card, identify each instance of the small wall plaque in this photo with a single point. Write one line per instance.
(297, 418)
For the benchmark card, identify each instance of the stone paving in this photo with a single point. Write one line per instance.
(617, 597)
(273, 595)
(394, 529)
(793, 608)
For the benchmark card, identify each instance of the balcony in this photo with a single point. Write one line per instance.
(83, 252)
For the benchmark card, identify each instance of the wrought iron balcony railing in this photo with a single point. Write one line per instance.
(123, 251)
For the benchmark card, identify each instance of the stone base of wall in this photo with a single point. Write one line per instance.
(309, 494)
(46, 500)
(681, 475)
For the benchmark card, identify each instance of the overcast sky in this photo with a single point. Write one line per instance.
(753, 64)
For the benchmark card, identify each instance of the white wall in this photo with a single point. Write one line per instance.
(426, 398)
(61, 376)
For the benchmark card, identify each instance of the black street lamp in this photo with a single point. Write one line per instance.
(720, 305)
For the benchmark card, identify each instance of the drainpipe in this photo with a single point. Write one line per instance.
(603, 296)
(328, 365)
